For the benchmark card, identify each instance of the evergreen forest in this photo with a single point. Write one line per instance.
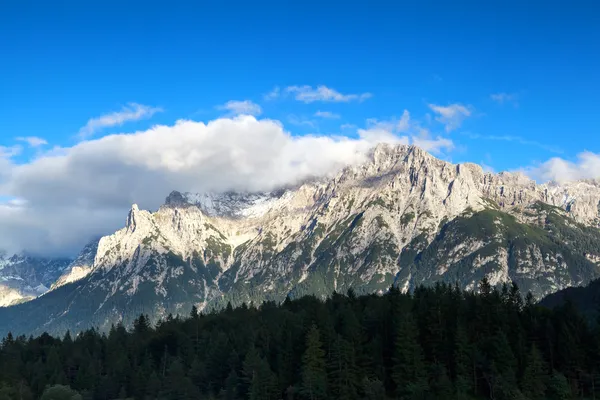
(436, 343)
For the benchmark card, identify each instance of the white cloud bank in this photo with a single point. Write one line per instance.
(67, 195)
(56, 202)
(586, 166)
(132, 112)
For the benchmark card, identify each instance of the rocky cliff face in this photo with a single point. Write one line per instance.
(80, 267)
(403, 217)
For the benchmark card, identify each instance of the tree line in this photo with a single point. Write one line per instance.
(435, 343)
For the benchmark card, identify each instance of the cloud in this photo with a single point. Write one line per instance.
(436, 145)
(327, 115)
(404, 123)
(487, 168)
(502, 98)
(348, 126)
(273, 94)
(452, 115)
(33, 141)
(68, 195)
(131, 112)
(517, 139)
(8, 152)
(308, 94)
(301, 121)
(586, 166)
(406, 131)
(246, 107)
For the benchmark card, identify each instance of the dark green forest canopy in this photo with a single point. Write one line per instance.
(436, 343)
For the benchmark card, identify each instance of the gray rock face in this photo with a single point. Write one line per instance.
(80, 267)
(403, 217)
(24, 277)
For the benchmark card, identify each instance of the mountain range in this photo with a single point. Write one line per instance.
(403, 217)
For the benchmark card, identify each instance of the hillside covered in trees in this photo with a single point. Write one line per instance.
(437, 343)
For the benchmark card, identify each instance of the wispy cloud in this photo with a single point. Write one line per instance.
(502, 98)
(308, 94)
(487, 168)
(452, 115)
(33, 141)
(404, 123)
(273, 94)
(327, 115)
(516, 139)
(301, 121)
(348, 126)
(8, 152)
(406, 131)
(237, 107)
(131, 112)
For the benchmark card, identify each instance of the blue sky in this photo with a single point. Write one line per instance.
(509, 84)
(68, 62)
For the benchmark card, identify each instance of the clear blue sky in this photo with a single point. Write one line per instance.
(64, 62)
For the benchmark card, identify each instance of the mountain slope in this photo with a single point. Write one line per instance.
(24, 277)
(403, 217)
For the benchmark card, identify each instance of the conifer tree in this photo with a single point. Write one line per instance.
(260, 381)
(558, 387)
(314, 376)
(409, 373)
(373, 389)
(463, 364)
(534, 377)
(342, 370)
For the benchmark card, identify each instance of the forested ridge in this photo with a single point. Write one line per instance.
(436, 343)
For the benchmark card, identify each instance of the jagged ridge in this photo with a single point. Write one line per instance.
(402, 217)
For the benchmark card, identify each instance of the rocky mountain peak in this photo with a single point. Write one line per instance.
(401, 217)
(137, 217)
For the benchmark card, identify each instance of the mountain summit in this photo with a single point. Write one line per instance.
(402, 217)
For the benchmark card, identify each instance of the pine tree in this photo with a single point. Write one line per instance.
(533, 383)
(409, 369)
(141, 375)
(558, 387)
(260, 380)
(54, 367)
(177, 385)
(440, 383)
(314, 376)
(373, 389)
(342, 370)
(231, 389)
(199, 375)
(463, 364)
(59, 392)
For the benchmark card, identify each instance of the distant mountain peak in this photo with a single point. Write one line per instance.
(229, 204)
